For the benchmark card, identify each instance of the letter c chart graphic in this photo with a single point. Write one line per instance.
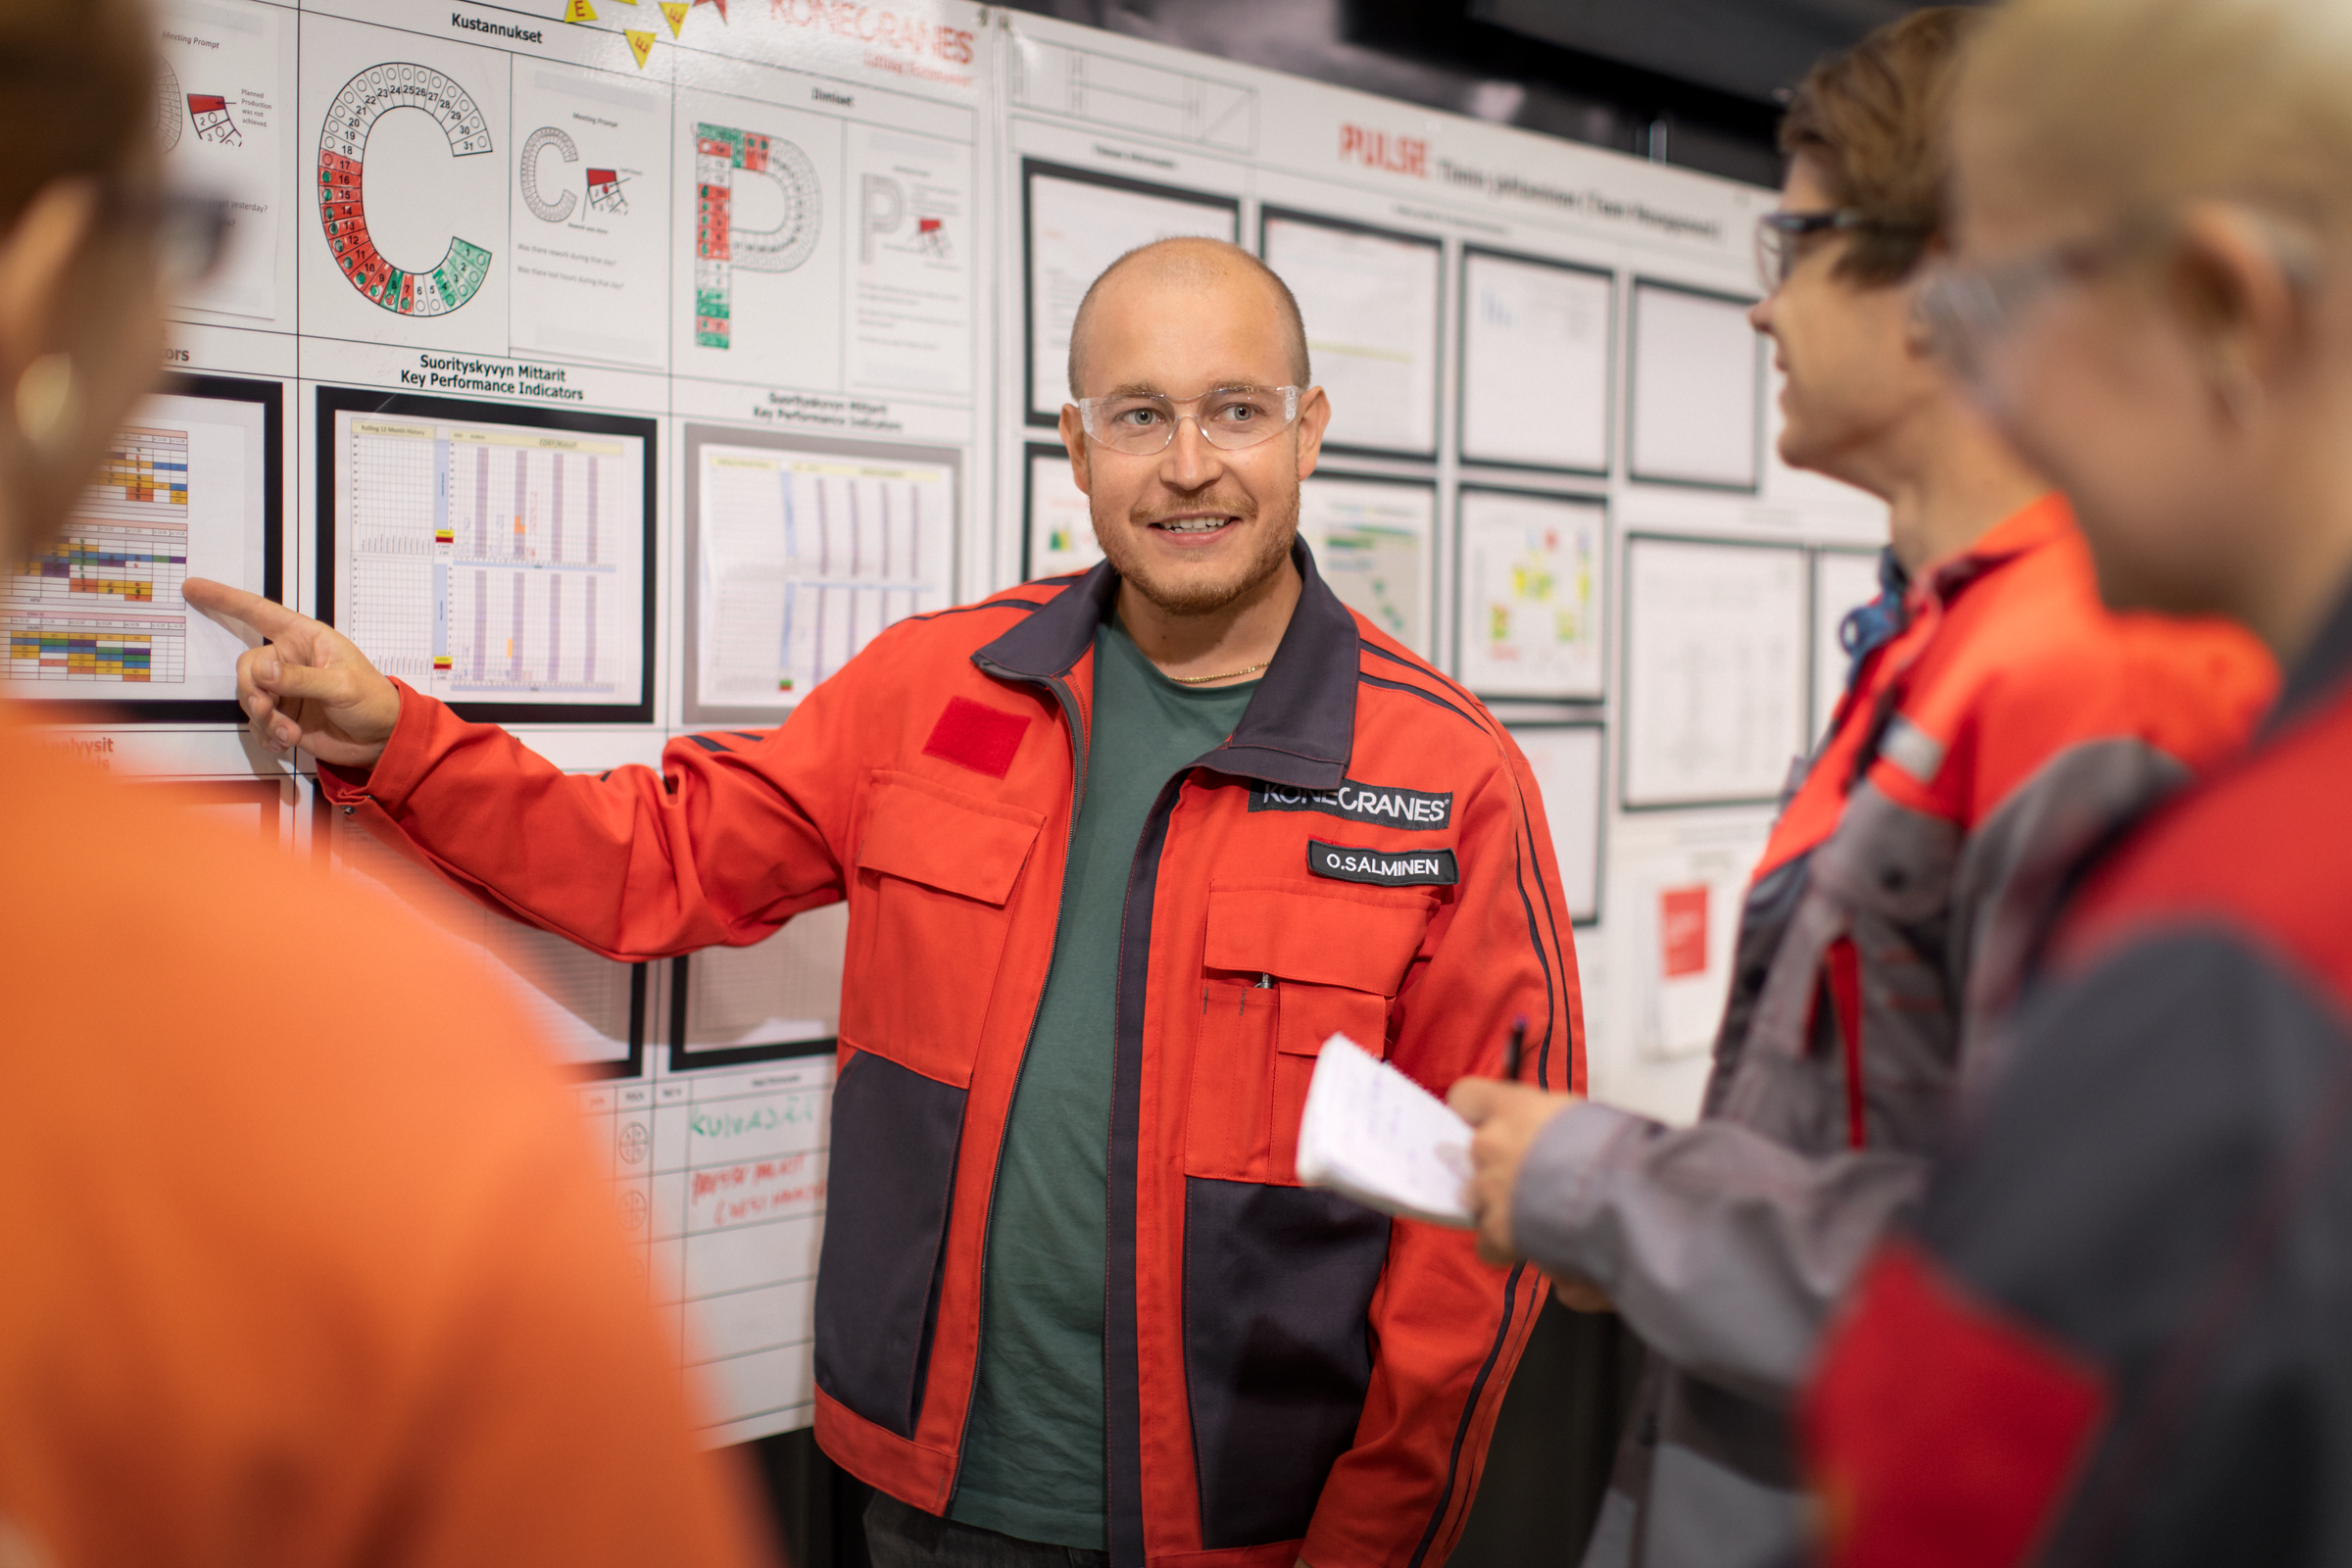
(539, 141)
(342, 150)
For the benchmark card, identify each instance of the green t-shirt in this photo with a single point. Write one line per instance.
(1033, 1450)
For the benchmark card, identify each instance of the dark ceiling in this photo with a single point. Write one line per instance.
(1694, 82)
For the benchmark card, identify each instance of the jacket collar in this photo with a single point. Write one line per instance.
(1300, 727)
(2024, 531)
(2323, 669)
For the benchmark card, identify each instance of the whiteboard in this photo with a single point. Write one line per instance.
(1532, 618)
(1373, 545)
(1370, 299)
(1697, 377)
(1567, 762)
(1843, 580)
(1078, 222)
(1535, 373)
(1716, 638)
(1059, 534)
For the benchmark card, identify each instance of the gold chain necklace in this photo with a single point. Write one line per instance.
(1232, 674)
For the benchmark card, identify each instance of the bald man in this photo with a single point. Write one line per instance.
(1121, 852)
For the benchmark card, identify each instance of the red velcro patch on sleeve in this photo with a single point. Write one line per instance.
(976, 736)
(1939, 1432)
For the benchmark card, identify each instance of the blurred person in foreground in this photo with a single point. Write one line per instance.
(1996, 721)
(263, 1298)
(2120, 1329)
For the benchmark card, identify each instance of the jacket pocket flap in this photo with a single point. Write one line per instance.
(972, 847)
(1324, 939)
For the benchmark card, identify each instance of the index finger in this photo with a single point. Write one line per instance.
(265, 616)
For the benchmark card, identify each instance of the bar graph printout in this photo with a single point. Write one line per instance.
(805, 557)
(97, 611)
(494, 562)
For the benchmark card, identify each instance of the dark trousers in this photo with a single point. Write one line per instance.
(899, 1537)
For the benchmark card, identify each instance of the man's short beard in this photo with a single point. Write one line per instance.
(1206, 598)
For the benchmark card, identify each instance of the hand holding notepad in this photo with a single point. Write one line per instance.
(1376, 1135)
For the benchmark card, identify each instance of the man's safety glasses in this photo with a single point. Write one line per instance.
(1781, 237)
(1144, 424)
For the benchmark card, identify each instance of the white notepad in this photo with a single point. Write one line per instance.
(1376, 1135)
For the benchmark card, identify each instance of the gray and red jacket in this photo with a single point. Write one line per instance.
(2009, 724)
(2121, 1329)
(1285, 1373)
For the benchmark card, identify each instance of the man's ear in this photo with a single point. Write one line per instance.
(2238, 300)
(1315, 418)
(1073, 441)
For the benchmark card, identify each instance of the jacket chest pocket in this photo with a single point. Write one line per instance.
(1282, 972)
(927, 923)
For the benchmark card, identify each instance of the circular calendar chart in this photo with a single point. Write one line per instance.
(342, 156)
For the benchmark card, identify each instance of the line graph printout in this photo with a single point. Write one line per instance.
(805, 559)
(720, 1180)
(1715, 662)
(494, 562)
(1079, 223)
(98, 611)
(1531, 585)
(1535, 363)
(1372, 544)
(1370, 300)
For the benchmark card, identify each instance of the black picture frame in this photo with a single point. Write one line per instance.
(1633, 371)
(1461, 380)
(1032, 170)
(1609, 530)
(334, 400)
(631, 1066)
(1437, 349)
(685, 1058)
(84, 706)
(1601, 814)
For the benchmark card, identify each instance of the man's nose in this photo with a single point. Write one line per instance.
(1190, 461)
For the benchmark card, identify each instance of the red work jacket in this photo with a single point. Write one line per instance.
(1287, 1373)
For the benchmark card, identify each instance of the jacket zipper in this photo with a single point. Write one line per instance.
(1078, 750)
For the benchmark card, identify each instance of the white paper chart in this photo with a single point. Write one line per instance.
(1531, 609)
(1843, 580)
(98, 611)
(1077, 226)
(1715, 654)
(805, 556)
(494, 562)
(590, 215)
(1061, 521)
(1567, 762)
(1697, 379)
(220, 122)
(1371, 302)
(720, 1180)
(1371, 540)
(1535, 363)
(775, 995)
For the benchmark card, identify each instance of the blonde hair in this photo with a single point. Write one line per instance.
(2127, 105)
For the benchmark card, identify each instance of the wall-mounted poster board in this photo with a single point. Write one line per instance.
(800, 551)
(192, 487)
(1373, 544)
(1536, 371)
(1370, 298)
(1843, 580)
(1059, 537)
(1531, 621)
(1569, 763)
(1696, 389)
(1716, 636)
(499, 557)
(1077, 222)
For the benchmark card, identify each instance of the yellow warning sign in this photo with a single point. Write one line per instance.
(641, 44)
(675, 10)
(579, 10)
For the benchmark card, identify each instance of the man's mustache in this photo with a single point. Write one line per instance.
(1239, 507)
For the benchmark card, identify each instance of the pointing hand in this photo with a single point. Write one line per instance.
(310, 687)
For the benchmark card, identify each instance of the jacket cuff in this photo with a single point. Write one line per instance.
(1558, 1193)
(406, 758)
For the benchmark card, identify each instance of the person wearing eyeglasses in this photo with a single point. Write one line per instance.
(2113, 1331)
(302, 1262)
(1996, 719)
(1121, 852)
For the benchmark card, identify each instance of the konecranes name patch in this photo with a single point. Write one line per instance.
(1387, 868)
(1385, 804)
